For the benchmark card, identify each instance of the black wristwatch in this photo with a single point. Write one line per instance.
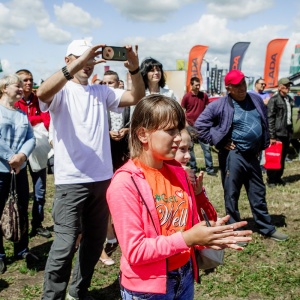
(66, 73)
(135, 71)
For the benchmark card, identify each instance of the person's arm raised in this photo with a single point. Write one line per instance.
(137, 91)
(56, 82)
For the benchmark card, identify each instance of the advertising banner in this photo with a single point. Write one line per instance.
(237, 55)
(194, 64)
(273, 56)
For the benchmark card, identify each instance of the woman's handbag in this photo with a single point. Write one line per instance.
(208, 258)
(11, 220)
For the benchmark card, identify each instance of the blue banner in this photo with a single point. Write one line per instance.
(237, 55)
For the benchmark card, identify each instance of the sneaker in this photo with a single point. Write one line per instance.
(278, 236)
(2, 265)
(42, 231)
(212, 173)
(196, 170)
(69, 297)
(263, 169)
(280, 182)
(30, 259)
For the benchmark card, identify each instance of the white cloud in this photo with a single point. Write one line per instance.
(212, 31)
(19, 15)
(297, 22)
(6, 67)
(148, 11)
(51, 33)
(176, 45)
(71, 15)
(237, 9)
(57, 23)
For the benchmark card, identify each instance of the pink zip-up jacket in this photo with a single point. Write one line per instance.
(144, 250)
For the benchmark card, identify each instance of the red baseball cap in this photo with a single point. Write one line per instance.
(234, 77)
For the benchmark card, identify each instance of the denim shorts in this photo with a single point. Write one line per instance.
(180, 286)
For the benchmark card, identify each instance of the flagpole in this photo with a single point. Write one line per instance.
(207, 75)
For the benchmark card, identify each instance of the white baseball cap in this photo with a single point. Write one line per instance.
(78, 47)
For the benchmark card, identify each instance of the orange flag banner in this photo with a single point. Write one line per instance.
(273, 56)
(194, 64)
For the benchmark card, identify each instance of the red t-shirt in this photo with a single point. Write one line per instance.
(194, 105)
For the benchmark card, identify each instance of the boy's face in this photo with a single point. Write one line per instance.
(27, 83)
(183, 152)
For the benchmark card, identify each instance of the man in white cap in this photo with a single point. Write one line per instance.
(237, 125)
(83, 166)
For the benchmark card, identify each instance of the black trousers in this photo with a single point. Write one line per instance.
(238, 170)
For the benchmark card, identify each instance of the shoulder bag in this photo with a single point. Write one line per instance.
(11, 226)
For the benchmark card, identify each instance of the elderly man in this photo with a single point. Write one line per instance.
(237, 125)
(83, 166)
(280, 126)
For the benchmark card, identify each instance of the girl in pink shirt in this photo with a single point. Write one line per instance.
(154, 209)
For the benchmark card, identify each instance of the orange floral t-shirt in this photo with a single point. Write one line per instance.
(172, 206)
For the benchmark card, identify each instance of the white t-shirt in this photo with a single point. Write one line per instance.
(80, 132)
(163, 91)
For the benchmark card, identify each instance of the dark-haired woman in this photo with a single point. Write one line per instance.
(154, 78)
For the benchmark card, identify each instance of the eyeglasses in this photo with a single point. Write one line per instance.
(262, 84)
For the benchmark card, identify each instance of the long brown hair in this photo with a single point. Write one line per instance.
(154, 112)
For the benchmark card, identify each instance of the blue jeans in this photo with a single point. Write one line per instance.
(209, 167)
(180, 286)
(39, 191)
(77, 208)
(193, 162)
(23, 198)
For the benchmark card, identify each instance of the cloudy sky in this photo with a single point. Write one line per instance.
(34, 34)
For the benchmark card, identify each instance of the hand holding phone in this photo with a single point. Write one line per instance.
(114, 53)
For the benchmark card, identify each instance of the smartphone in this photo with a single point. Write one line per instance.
(114, 53)
(205, 218)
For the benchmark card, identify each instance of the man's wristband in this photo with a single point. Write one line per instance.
(66, 73)
(135, 71)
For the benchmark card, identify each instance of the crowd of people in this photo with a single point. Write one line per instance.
(125, 174)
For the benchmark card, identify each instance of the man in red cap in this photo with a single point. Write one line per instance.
(237, 125)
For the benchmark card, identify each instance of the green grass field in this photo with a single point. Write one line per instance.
(264, 270)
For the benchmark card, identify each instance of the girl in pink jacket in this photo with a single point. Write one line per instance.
(154, 209)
